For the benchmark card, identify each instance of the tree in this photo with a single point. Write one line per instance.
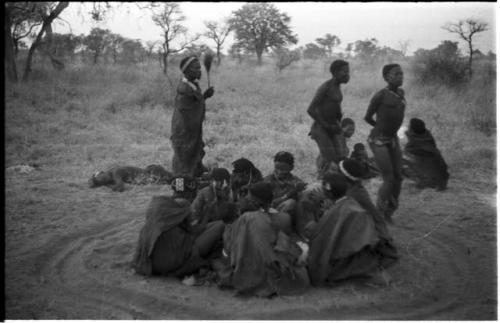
(466, 29)
(150, 47)
(313, 51)
(28, 14)
(388, 53)
(132, 51)
(169, 18)
(442, 64)
(48, 12)
(328, 43)
(366, 49)
(114, 45)
(285, 57)
(260, 26)
(61, 46)
(403, 46)
(218, 32)
(24, 20)
(236, 51)
(97, 41)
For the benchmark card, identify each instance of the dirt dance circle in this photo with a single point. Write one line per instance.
(447, 270)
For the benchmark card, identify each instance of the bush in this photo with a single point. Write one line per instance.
(442, 64)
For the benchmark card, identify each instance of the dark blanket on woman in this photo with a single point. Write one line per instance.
(344, 244)
(263, 259)
(423, 161)
(163, 214)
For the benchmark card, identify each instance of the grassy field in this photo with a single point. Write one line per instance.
(89, 118)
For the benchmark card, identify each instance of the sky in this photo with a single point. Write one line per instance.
(391, 23)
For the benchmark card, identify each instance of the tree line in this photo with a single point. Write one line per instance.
(258, 28)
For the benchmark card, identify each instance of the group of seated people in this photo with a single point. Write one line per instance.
(272, 235)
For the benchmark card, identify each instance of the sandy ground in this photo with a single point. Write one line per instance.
(68, 250)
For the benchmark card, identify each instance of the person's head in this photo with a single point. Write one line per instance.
(244, 168)
(191, 67)
(283, 164)
(220, 179)
(359, 147)
(244, 172)
(348, 127)
(334, 185)
(184, 187)
(340, 70)
(393, 74)
(417, 126)
(359, 152)
(261, 194)
(352, 169)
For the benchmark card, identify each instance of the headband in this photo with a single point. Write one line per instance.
(342, 169)
(186, 64)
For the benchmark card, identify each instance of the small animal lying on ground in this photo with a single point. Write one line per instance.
(116, 177)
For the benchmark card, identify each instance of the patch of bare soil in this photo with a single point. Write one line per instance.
(68, 250)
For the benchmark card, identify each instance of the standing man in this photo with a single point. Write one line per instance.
(326, 112)
(187, 121)
(388, 105)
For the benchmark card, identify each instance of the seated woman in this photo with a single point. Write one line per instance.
(262, 260)
(169, 244)
(214, 201)
(286, 186)
(244, 174)
(422, 160)
(344, 242)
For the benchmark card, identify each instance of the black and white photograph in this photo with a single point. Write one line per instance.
(250, 161)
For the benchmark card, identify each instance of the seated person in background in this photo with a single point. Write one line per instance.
(260, 259)
(169, 244)
(117, 176)
(244, 174)
(343, 243)
(214, 201)
(360, 155)
(348, 128)
(422, 160)
(286, 186)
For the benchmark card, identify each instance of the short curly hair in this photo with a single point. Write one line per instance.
(337, 65)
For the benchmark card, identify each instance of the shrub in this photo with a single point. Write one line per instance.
(442, 64)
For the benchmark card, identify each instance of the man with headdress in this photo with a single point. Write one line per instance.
(422, 160)
(244, 174)
(286, 186)
(343, 242)
(262, 260)
(169, 243)
(325, 109)
(187, 120)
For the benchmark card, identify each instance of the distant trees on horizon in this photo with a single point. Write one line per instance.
(258, 28)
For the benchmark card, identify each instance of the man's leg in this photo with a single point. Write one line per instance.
(385, 194)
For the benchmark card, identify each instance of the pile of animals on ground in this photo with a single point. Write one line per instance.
(276, 234)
